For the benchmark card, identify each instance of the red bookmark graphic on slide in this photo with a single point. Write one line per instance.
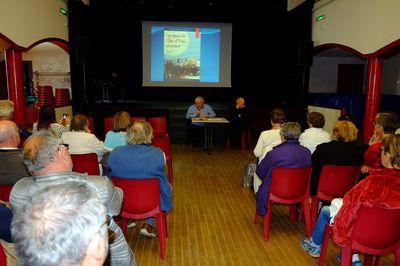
(197, 33)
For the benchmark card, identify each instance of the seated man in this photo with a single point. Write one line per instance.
(65, 224)
(288, 154)
(239, 121)
(12, 166)
(50, 163)
(7, 113)
(198, 110)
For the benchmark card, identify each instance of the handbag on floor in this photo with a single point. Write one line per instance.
(250, 169)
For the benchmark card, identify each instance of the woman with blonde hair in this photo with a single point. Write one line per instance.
(117, 136)
(342, 150)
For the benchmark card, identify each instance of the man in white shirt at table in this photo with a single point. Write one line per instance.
(198, 110)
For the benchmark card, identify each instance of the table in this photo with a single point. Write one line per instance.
(208, 131)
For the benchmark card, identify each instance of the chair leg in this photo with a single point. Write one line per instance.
(165, 223)
(397, 257)
(314, 210)
(255, 217)
(368, 259)
(161, 235)
(227, 144)
(306, 208)
(325, 243)
(346, 256)
(248, 139)
(243, 141)
(170, 172)
(123, 225)
(378, 260)
(267, 220)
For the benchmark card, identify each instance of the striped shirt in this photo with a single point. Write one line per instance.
(312, 137)
(119, 250)
(56, 128)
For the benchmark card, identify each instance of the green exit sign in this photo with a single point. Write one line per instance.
(319, 18)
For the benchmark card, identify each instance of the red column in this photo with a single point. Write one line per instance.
(16, 85)
(373, 96)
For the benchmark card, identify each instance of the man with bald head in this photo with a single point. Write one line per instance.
(12, 166)
(198, 110)
(239, 121)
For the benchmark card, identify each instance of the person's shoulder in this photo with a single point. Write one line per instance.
(23, 185)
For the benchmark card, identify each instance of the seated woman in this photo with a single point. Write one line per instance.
(117, 136)
(80, 140)
(342, 150)
(268, 139)
(47, 121)
(315, 135)
(381, 188)
(385, 125)
(140, 160)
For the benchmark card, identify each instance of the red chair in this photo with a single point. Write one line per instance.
(5, 192)
(108, 124)
(159, 125)
(243, 137)
(86, 163)
(376, 232)
(162, 141)
(3, 257)
(141, 201)
(137, 118)
(91, 124)
(334, 182)
(289, 186)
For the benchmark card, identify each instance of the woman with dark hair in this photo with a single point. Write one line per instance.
(80, 140)
(47, 121)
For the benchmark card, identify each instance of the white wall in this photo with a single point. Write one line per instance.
(324, 72)
(364, 25)
(51, 60)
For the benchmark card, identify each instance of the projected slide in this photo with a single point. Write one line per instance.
(183, 54)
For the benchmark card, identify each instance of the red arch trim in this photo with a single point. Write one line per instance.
(385, 51)
(56, 41)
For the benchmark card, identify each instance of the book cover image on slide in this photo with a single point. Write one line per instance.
(182, 55)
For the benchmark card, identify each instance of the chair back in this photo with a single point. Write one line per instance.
(3, 256)
(141, 197)
(335, 181)
(162, 142)
(137, 118)
(290, 184)
(159, 125)
(108, 124)
(377, 230)
(5, 191)
(86, 163)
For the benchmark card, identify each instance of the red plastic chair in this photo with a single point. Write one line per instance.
(289, 186)
(162, 141)
(137, 118)
(159, 125)
(3, 257)
(108, 124)
(5, 192)
(141, 201)
(376, 232)
(334, 182)
(243, 137)
(86, 163)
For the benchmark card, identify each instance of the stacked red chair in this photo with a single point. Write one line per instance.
(62, 97)
(45, 96)
(289, 186)
(162, 142)
(141, 201)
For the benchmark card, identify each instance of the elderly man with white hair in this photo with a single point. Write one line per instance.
(50, 163)
(65, 224)
(198, 110)
(12, 166)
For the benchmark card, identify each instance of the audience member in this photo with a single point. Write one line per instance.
(342, 150)
(138, 160)
(289, 154)
(47, 121)
(117, 136)
(50, 163)
(198, 110)
(315, 135)
(238, 121)
(80, 140)
(381, 188)
(270, 138)
(5, 221)
(385, 125)
(6, 110)
(12, 166)
(63, 224)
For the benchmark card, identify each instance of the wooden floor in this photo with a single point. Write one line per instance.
(212, 221)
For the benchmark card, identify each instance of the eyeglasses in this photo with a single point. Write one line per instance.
(65, 145)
